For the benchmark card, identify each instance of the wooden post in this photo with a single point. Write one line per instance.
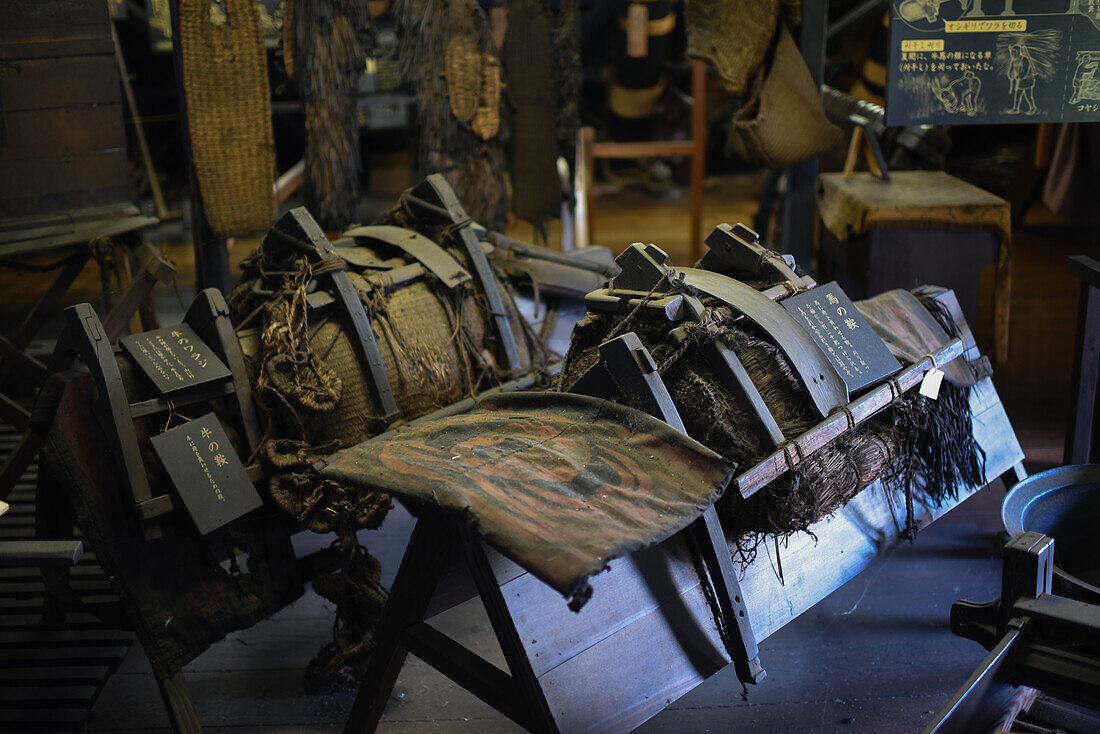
(211, 255)
(698, 154)
(582, 186)
(139, 130)
(1086, 362)
(799, 209)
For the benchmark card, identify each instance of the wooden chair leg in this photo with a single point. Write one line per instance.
(409, 597)
(178, 705)
(537, 711)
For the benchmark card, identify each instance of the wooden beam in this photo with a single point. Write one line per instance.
(17, 553)
(645, 149)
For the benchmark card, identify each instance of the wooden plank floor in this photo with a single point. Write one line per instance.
(50, 674)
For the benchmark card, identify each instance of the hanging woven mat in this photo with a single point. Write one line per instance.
(229, 115)
(473, 86)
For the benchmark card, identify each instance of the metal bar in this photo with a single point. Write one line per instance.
(583, 181)
(956, 715)
(839, 422)
(1082, 617)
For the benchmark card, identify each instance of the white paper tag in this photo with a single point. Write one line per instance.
(930, 385)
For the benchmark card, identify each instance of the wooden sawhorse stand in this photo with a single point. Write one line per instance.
(522, 695)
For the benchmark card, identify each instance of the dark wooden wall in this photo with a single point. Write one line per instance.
(63, 144)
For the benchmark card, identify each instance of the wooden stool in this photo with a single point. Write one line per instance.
(919, 227)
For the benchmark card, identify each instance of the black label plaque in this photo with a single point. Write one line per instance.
(965, 62)
(206, 472)
(174, 358)
(853, 347)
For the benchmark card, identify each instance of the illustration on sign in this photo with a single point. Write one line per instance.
(985, 61)
(1085, 83)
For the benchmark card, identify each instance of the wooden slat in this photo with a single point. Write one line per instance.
(53, 696)
(41, 719)
(52, 20)
(72, 675)
(59, 82)
(44, 223)
(78, 573)
(88, 46)
(641, 150)
(78, 234)
(40, 552)
(98, 654)
(28, 180)
(78, 620)
(10, 589)
(62, 132)
(64, 638)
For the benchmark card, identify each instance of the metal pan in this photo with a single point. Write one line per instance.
(1063, 503)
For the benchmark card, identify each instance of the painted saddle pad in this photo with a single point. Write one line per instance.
(559, 483)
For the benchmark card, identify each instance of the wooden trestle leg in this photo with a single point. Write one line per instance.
(403, 631)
